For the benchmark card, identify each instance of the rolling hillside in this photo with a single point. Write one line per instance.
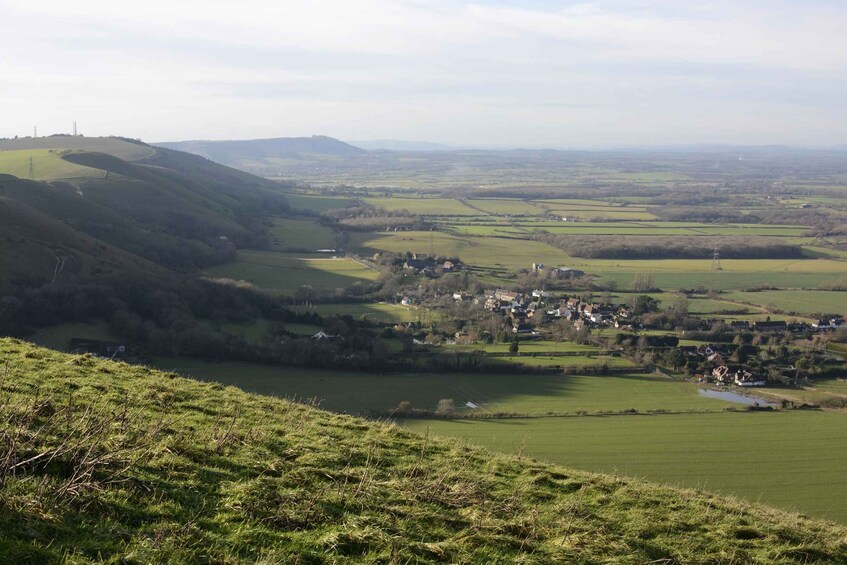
(143, 205)
(116, 231)
(109, 462)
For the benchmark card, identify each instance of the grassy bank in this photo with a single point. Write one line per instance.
(108, 462)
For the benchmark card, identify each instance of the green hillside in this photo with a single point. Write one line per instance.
(127, 149)
(141, 205)
(105, 462)
(43, 164)
(116, 231)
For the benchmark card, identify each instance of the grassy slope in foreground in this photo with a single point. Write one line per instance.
(116, 462)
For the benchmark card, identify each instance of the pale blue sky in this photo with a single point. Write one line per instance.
(488, 73)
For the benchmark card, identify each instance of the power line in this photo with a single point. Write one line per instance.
(716, 260)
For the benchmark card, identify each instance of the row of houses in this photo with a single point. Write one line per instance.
(538, 305)
(772, 326)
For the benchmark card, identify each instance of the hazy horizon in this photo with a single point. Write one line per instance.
(488, 74)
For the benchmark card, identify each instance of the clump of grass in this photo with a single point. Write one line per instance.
(133, 465)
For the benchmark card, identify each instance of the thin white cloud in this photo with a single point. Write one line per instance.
(592, 73)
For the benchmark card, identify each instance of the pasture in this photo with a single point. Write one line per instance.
(120, 148)
(283, 273)
(793, 460)
(735, 273)
(256, 332)
(483, 252)
(423, 206)
(799, 301)
(373, 311)
(316, 204)
(534, 346)
(825, 392)
(515, 393)
(510, 207)
(707, 306)
(569, 362)
(293, 234)
(47, 164)
(601, 227)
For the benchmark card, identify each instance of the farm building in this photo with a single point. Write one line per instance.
(417, 265)
(322, 335)
(770, 326)
(567, 272)
(746, 378)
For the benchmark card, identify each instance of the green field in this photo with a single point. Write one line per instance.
(799, 301)
(510, 393)
(534, 346)
(47, 164)
(820, 392)
(373, 311)
(716, 306)
(570, 361)
(603, 214)
(256, 332)
(511, 207)
(317, 204)
(735, 273)
(790, 459)
(117, 147)
(152, 468)
(423, 206)
(284, 273)
(794, 460)
(300, 235)
(483, 252)
(602, 227)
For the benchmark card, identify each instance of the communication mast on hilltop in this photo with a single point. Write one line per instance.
(74, 129)
(716, 260)
(34, 131)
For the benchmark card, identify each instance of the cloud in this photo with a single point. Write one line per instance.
(528, 73)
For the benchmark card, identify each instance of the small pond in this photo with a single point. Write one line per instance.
(734, 397)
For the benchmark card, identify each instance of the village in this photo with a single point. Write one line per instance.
(730, 358)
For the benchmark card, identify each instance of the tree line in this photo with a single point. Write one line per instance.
(666, 247)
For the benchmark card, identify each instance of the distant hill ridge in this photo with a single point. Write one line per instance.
(107, 462)
(231, 152)
(401, 145)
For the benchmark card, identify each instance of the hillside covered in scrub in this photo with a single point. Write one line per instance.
(103, 461)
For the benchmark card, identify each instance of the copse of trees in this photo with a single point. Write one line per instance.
(369, 218)
(821, 220)
(175, 316)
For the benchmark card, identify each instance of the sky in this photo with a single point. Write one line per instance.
(486, 74)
